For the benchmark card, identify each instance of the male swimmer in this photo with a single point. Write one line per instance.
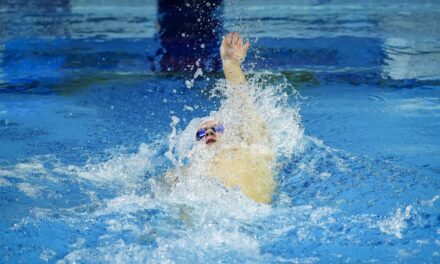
(239, 149)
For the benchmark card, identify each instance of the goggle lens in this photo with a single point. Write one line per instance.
(218, 128)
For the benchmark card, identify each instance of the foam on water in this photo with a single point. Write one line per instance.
(121, 167)
(395, 224)
(29, 189)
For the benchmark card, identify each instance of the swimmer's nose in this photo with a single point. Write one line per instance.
(210, 132)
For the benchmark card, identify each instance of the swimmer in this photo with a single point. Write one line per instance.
(240, 151)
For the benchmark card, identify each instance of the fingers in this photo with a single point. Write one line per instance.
(240, 42)
(246, 46)
(228, 39)
(223, 42)
(234, 39)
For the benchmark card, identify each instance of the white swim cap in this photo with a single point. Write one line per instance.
(206, 120)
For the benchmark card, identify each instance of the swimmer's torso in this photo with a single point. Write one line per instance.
(246, 168)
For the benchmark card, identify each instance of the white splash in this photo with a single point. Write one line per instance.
(395, 224)
(126, 204)
(121, 167)
(205, 244)
(47, 255)
(431, 202)
(30, 190)
(199, 73)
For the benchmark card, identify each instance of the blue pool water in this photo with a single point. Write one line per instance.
(351, 92)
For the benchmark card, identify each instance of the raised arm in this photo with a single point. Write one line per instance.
(233, 52)
(252, 126)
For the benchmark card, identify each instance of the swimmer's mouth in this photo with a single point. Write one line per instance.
(210, 141)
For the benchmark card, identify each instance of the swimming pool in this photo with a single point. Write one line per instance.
(86, 127)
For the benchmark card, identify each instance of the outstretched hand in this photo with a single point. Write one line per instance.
(233, 48)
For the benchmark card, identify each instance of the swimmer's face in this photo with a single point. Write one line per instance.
(209, 132)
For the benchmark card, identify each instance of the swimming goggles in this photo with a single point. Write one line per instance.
(218, 128)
